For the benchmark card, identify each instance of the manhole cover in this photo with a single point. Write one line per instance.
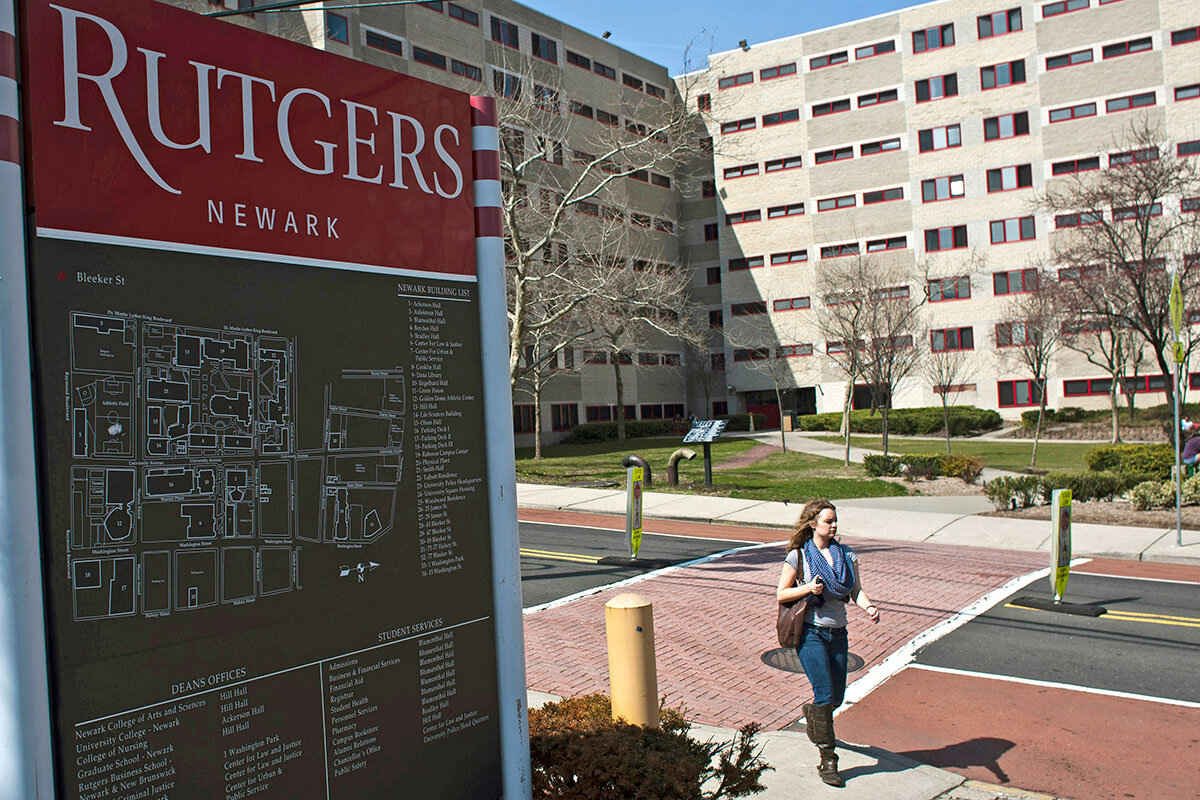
(785, 658)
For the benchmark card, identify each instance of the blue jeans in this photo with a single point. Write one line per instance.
(822, 653)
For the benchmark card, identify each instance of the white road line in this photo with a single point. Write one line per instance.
(644, 533)
(1055, 685)
(1134, 578)
(562, 601)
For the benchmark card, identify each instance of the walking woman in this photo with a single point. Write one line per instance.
(826, 572)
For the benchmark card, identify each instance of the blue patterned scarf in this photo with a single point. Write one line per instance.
(838, 578)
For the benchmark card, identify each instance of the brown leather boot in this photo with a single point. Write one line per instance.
(810, 711)
(826, 742)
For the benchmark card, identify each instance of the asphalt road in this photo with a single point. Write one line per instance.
(1148, 643)
(560, 560)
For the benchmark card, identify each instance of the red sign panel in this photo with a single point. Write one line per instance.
(212, 135)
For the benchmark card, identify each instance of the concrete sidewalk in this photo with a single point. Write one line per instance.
(935, 520)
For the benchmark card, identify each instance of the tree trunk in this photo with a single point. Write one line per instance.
(1116, 412)
(946, 420)
(883, 414)
(537, 423)
(846, 425)
(620, 399)
(779, 405)
(516, 333)
(1037, 431)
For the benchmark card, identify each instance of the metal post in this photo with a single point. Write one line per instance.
(1178, 466)
(707, 464)
(632, 674)
(26, 767)
(501, 470)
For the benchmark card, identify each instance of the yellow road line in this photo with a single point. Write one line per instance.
(550, 554)
(1151, 616)
(1110, 615)
(1140, 616)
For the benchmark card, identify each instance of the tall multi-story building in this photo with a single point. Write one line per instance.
(919, 138)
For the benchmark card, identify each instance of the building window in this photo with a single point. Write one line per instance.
(714, 275)
(564, 416)
(655, 91)
(1132, 101)
(750, 353)
(1075, 165)
(1016, 334)
(877, 49)
(777, 72)
(877, 98)
(543, 48)
(716, 362)
(522, 419)
(711, 232)
(946, 188)
(794, 350)
(790, 210)
(835, 203)
(840, 250)
(704, 102)
(604, 71)
(741, 171)
(660, 180)
(720, 408)
(1005, 126)
(933, 38)
(1144, 211)
(1017, 281)
(337, 27)
(582, 110)
(745, 262)
(466, 70)
(1187, 92)
(932, 139)
(1021, 393)
(890, 243)
(882, 196)
(1012, 230)
(1069, 59)
(505, 83)
(951, 339)
(937, 88)
(838, 154)
(789, 257)
(1126, 48)
(506, 33)
(716, 318)
(1191, 148)
(739, 217)
(829, 60)
(1185, 36)
(832, 107)
(599, 413)
(464, 14)
(438, 61)
(381, 41)
(738, 125)
(775, 165)
(731, 81)
(949, 289)
(748, 309)
(949, 238)
(999, 75)
(1008, 178)
(605, 118)
(1063, 7)
(884, 146)
(1082, 387)
(632, 81)
(1073, 112)
(434, 5)
(1133, 157)
(648, 360)
(791, 304)
(1075, 220)
(999, 23)
(780, 117)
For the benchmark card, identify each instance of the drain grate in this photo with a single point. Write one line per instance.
(785, 658)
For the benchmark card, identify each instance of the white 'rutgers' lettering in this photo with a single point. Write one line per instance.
(364, 133)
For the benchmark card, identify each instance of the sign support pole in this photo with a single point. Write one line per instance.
(26, 768)
(1176, 309)
(501, 470)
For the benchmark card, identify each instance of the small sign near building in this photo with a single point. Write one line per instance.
(1060, 542)
(705, 430)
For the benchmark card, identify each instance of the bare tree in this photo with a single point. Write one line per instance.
(1128, 222)
(947, 369)
(548, 355)
(843, 322)
(1029, 334)
(704, 373)
(768, 347)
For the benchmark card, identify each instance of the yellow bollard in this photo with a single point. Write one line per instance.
(632, 675)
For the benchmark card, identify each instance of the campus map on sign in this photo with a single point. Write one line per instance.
(708, 430)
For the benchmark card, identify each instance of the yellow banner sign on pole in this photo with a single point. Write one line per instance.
(633, 509)
(1060, 541)
(1176, 304)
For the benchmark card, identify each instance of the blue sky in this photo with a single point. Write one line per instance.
(661, 29)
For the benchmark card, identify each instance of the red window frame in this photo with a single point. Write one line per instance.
(878, 147)
(1078, 219)
(1012, 74)
(1021, 237)
(795, 350)
(929, 84)
(1076, 112)
(869, 198)
(1006, 15)
(957, 127)
(1064, 7)
(888, 243)
(840, 250)
(740, 171)
(828, 60)
(745, 262)
(781, 117)
(1029, 281)
(713, 275)
(522, 418)
(500, 33)
(734, 81)
(881, 97)
(780, 71)
(1192, 92)
(950, 182)
(1074, 165)
(1033, 390)
(739, 125)
(954, 238)
(877, 49)
(751, 308)
(464, 15)
(1021, 171)
(711, 231)
(941, 45)
(1070, 57)
(781, 164)
(343, 18)
(838, 203)
(563, 416)
(1030, 335)
(1185, 149)
(834, 107)
(1135, 101)
(789, 257)
(1118, 49)
(791, 304)
(1185, 36)
(836, 152)
(742, 217)
(789, 210)
(959, 282)
(958, 335)
(534, 38)
(704, 102)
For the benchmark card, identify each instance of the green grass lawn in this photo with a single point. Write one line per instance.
(1053, 456)
(795, 477)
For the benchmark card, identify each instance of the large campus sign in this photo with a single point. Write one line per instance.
(263, 501)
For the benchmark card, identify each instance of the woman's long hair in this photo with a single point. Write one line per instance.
(802, 531)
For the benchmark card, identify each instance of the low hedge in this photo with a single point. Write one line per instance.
(1084, 486)
(906, 421)
(1057, 415)
(607, 431)
(1153, 460)
(579, 752)
(922, 465)
(741, 422)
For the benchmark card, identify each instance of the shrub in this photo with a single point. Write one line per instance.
(906, 421)
(1127, 480)
(924, 465)
(1155, 460)
(1191, 490)
(1084, 486)
(579, 752)
(1029, 418)
(1000, 492)
(1025, 487)
(741, 422)
(877, 464)
(607, 431)
(965, 467)
(1152, 494)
